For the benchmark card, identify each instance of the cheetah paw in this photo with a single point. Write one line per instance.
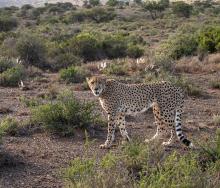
(104, 146)
(147, 140)
(166, 143)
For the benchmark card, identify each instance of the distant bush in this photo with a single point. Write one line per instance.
(114, 46)
(201, 6)
(96, 14)
(85, 45)
(182, 9)
(112, 2)
(4, 35)
(5, 64)
(7, 23)
(134, 51)
(35, 13)
(209, 39)
(155, 7)
(64, 60)
(94, 46)
(115, 68)
(99, 14)
(26, 7)
(94, 2)
(12, 76)
(178, 46)
(59, 7)
(74, 74)
(65, 115)
(187, 86)
(31, 51)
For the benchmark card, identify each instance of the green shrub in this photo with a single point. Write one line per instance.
(141, 165)
(187, 86)
(118, 69)
(29, 102)
(73, 74)
(8, 126)
(31, 51)
(134, 51)
(35, 13)
(87, 173)
(65, 115)
(155, 7)
(79, 170)
(112, 3)
(182, 9)
(99, 14)
(96, 14)
(12, 76)
(7, 23)
(209, 39)
(85, 45)
(90, 46)
(94, 2)
(6, 35)
(178, 46)
(64, 60)
(26, 7)
(5, 64)
(175, 171)
(114, 46)
(201, 6)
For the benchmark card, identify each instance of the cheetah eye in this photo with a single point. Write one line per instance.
(92, 82)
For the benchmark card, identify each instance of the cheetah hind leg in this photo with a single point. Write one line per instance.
(154, 137)
(169, 141)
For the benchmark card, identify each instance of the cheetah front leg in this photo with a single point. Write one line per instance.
(111, 133)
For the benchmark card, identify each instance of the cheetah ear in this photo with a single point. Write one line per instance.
(87, 79)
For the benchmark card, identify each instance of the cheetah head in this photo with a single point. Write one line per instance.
(96, 84)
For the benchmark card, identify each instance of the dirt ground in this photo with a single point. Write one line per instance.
(35, 160)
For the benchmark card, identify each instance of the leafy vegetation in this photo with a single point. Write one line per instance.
(12, 76)
(31, 51)
(73, 74)
(5, 64)
(65, 114)
(181, 8)
(156, 7)
(7, 23)
(8, 126)
(209, 39)
(178, 46)
(139, 165)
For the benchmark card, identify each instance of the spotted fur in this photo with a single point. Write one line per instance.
(119, 99)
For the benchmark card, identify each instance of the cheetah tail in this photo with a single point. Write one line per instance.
(178, 128)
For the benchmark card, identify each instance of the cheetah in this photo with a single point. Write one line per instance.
(120, 99)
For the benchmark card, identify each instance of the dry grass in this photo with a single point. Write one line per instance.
(209, 64)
